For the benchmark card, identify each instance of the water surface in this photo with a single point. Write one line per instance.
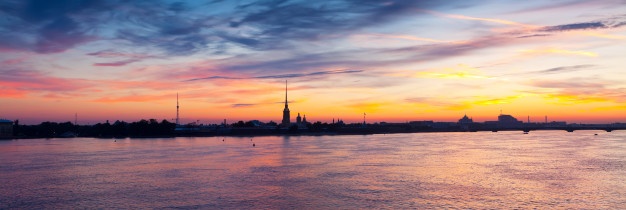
(544, 169)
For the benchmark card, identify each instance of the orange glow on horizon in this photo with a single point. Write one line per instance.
(565, 62)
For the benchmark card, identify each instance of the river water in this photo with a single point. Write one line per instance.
(543, 169)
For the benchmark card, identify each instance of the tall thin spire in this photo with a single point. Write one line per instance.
(177, 107)
(286, 114)
(363, 118)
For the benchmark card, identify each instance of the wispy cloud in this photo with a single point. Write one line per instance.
(615, 21)
(565, 98)
(118, 54)
(591, 28)
(565, 69)
(403, 37)
(133, 98)
(534, 36)
(567, 84)
(560, 51)
(454, 75)
(262, 25)
(460, 71)
(555, 70)
(57, 26)
(282, 76)
(14, 61)
(493, 101)
(309, 74)
(491, 20)
(12, 93)
(435, 101)
(302, 20)
(118, 63)
(578, 90)
(465, 102)
(19, 80)
(574, 26)
(242, 105)
(210, 78)
(438, 51)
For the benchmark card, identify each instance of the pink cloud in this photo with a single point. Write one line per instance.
(61, 42)
(12, 93)
(22, 82)
(118, 63)
(115, 54)
(154, 85)
(133, 98)
(15, 60)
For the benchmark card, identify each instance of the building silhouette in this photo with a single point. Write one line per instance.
(507, 121)
(299, 119)
(465, 123)
(466, 120)
(286, 114)
(6, 128)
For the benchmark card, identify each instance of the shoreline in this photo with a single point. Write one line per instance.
(523, 131)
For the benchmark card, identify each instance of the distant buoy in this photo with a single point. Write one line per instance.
(253, 145)
(595, 134)
(222, 139)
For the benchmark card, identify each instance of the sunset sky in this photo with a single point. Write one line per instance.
(396, 61)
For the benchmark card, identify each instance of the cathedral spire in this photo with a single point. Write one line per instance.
(286, 114)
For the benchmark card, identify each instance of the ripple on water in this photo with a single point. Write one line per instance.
(482, 170)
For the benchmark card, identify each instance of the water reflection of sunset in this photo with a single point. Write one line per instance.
(544, 169)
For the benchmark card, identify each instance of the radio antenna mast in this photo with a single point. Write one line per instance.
(177, 107)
